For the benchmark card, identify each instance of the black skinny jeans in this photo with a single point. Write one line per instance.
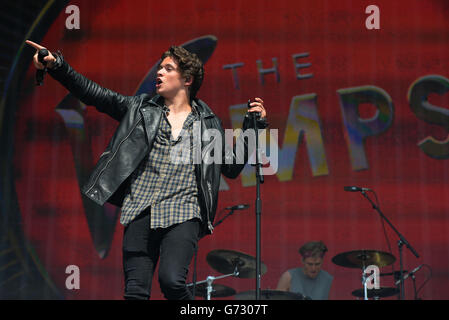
(173, 247)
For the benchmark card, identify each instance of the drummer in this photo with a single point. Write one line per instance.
(310, 280)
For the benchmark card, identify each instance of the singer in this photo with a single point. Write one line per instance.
(166, 207)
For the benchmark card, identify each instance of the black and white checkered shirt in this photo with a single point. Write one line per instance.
(168, 187)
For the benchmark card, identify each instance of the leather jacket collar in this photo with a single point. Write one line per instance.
(198, 105)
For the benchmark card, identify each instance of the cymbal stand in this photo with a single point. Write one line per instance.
(210, 279)
(414, 287)
(365, 286)
(196, 252)
(401, 269)
(401, 242)
(364, 280)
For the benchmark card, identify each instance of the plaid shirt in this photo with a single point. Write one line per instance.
(168, 187)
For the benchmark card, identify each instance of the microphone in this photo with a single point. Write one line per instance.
(41, 73)
(411, 273)
(255, 114)
(238, 207)
(355, 189)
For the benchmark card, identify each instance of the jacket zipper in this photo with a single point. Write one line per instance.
(107, 163)
(209, 223)
(113, 155)
(209, 187)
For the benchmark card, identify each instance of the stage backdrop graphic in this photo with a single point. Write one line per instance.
(353, 106)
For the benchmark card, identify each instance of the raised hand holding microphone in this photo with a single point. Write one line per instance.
(40, 73)
(257, 105)
(42, 60)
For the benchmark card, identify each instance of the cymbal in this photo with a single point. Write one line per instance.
(371, 293)
(225, 261)
(218, 290)
(363, 258)
(270, 295)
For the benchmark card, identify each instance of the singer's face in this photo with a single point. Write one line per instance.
(312, 266)
(169, 80)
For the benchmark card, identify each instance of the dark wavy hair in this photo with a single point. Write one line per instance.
(189, 64)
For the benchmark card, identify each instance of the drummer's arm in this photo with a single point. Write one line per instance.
(284, 282)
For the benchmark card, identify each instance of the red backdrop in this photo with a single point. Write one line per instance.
(119, 41)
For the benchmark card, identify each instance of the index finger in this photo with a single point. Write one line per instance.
(34, 45)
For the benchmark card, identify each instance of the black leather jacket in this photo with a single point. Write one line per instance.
(139, 121)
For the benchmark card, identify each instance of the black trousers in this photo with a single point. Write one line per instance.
(173, 247)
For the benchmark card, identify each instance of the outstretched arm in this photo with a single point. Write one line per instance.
(89, 92)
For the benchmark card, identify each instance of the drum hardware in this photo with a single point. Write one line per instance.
(271, 295)
(231, 264)
(208, 290)
(235, 271)
(364, 259)
(396, 274)
(376, 294)
(401, 242)
(218, 291)
(210, 279)
(227, 261)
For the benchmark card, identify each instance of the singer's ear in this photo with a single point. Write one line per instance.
(188, 80)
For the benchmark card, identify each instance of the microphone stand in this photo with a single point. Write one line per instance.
(414, 287)
(227, 215)
(401, 242)
(258, 204)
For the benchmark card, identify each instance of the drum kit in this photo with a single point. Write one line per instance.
(241, 265)
(235, 264)
(362, 259)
